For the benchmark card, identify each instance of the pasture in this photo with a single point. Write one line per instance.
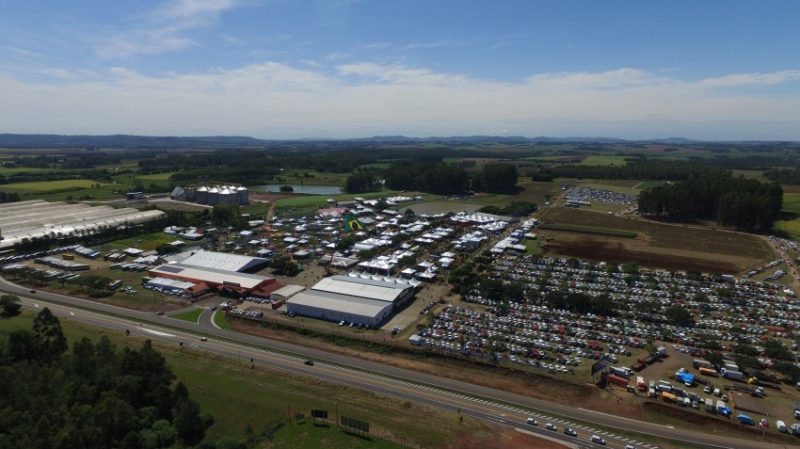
(603, 160)
(50, 186)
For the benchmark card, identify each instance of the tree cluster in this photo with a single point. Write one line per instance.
(496, 178)
(225, 215)
(747, 204)
(513, 209)
(438, 178)
(9, 197)
(92, 397)
(362, 181)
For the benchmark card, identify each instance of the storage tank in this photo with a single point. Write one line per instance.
(201, 195)
(213, 195)
(189, 194)
(243, 194)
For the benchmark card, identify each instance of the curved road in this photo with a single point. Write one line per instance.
(492, 405)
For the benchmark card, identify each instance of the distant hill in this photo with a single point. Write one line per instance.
(131, 141)
(122, 141)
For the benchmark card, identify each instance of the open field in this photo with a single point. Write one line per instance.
(240, 397)
(790, 220)
(604, 160)
(588, 230)
(662, 245)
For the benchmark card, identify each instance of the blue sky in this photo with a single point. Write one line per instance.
(352, 68)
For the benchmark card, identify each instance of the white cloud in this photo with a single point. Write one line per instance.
(164, 29)
(279, 100)
(752, 79)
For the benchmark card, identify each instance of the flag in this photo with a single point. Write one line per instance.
(351, 223)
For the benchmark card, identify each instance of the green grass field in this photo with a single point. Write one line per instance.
(146, 242)
(155, 177)
(311, 178)
(221, 320)
(190, 315)
(604, 160)
(791, 203)
(240, 398)
(48, 186)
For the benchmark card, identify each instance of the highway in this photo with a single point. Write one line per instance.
(491, 405)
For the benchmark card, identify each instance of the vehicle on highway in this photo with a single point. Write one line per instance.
(598, 439)
(532, 422)
(570, 431)
(33, 291)
(203, 338)
(630, 446)
(551, 426)
(309, 362)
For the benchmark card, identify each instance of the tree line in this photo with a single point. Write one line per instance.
(746, 204)
(449, 179)
(94, 396)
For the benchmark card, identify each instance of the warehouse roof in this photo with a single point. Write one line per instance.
(339, 303)
(166, 282)
(370, 288)
(224, 261)
(210, 275)
(289, 290)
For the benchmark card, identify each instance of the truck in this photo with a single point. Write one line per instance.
(621, 381)
(668, 397)
(710, 406)
(745, 419)
(685, 378)
(723, 409)
(730, 366)
(661, 351)
(621, 372)
(707, 371)
(781, 426)
(640, 384)
(701, 363)
(733, 375)
(795, 428)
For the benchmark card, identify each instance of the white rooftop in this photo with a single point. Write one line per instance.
(222, 261)
(370, 288)
(340, 303)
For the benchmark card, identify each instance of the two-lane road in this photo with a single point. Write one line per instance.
(485, 403)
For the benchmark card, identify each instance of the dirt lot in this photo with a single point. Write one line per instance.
(501, 437)
(660, 245)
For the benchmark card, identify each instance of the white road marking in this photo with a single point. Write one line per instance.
(160, 334)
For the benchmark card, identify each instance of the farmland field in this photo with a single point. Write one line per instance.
(604, 160)
(156, 176)
(48, 186)
(588, 230)
(790, 220)
(661, 245)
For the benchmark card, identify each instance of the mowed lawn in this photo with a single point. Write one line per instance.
(240, 397)
(49, 186)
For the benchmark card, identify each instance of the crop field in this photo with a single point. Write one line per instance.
(240, 397)
(604, 160)
(660, 245)
(310, 178)
(588, 230)
(49, 186)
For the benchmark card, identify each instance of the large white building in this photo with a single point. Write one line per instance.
(42, 219)
(368, 300)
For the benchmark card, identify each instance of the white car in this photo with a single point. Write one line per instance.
(532, 422)
(598, 439)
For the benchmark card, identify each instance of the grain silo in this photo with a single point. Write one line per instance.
(201, 195)
(243, 194)
(226, 196)
(213, 195)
